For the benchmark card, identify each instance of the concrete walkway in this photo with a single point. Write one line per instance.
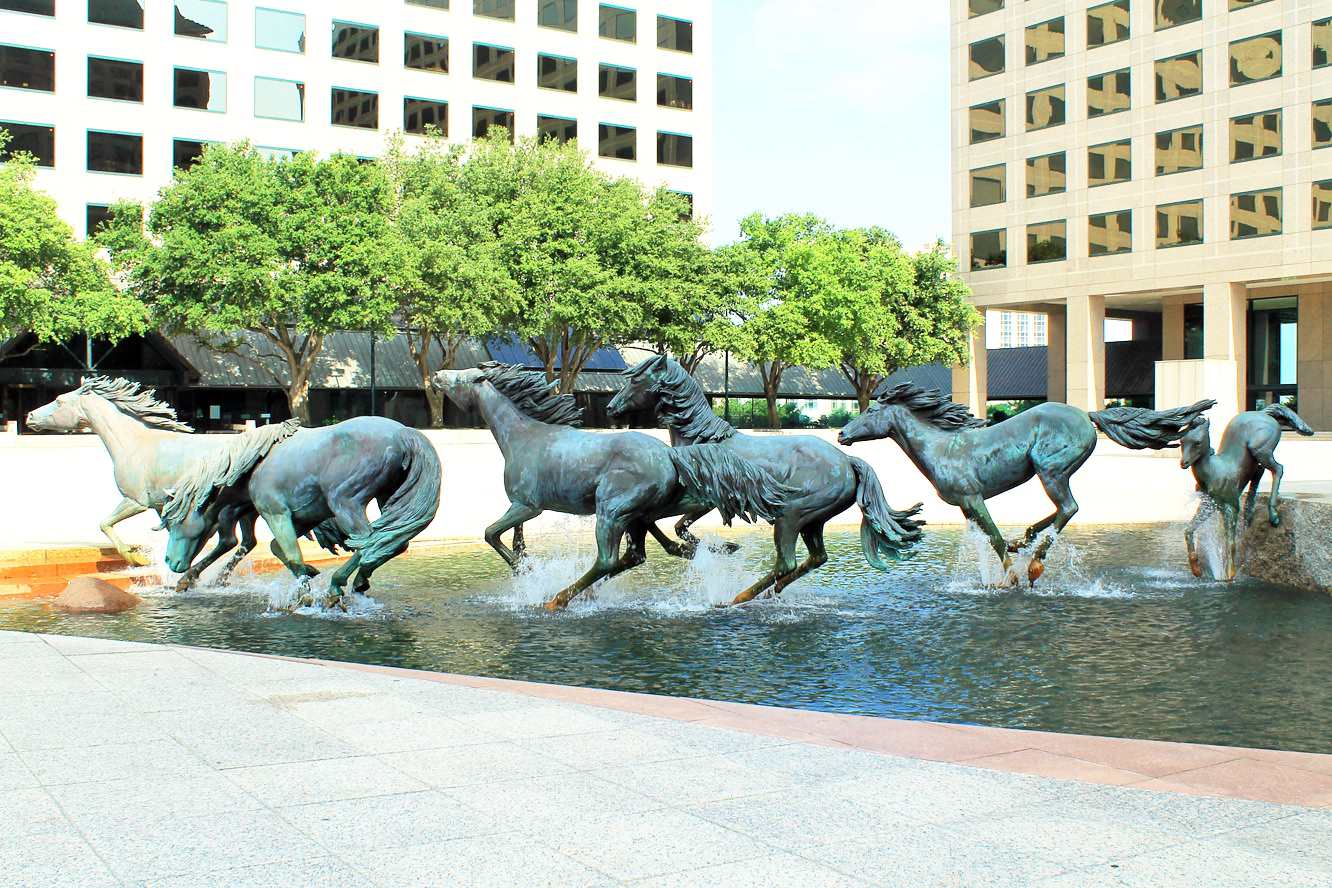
(135, 764)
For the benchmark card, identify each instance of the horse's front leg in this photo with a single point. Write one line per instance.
(979, 514)
(1190, 535)
(128, 508)
(226, 541)
(287, 549)
(514, 517)
(247, 543)
(1230, 525)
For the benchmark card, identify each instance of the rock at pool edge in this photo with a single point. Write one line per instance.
(89, 595)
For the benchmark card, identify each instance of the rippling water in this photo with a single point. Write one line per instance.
(1118, 638)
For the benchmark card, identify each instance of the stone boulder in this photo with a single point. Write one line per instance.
(89, 595)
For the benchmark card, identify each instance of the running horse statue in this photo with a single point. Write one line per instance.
(825, 481)
(628, 480)
(152, 451)
(968, 462)
(1248, 447)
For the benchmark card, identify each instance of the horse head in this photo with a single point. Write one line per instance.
(1196, 443)
(459, 386)
(875, 423)
(641, 384)
(64, 414)
(187, 534)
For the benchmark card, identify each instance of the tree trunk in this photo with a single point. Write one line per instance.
(862, 400)
(298, 399)
(774, 421)
(436, 402)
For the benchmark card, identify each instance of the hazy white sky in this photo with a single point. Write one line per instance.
(836, 107)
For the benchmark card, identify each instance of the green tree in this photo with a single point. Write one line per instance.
(290, 249)
(52, 285)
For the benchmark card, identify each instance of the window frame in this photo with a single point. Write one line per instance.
(444, 131)
(1116, 181)
(1258, 192)
(1117, 73)
(603, 68)
(1003, 118)
(677, 20)
(440, 38)
(1027, 165)
(87, 154)
(226, 7)
(1281, 134)
(513, 120)
(54, 70)
(1115, 3)
(513, 62)
(8, 149)
(305, 32)
(226, 79)
(1313, 193)
(1202, 148)
(1032, 94)
(364, 26)
(604, 36)
(542, 136)
(1156, 77)
(1027, 48)
(558, 58)
(1003, 185)
(573, 30)
(668, 76)
(604, 125)
(143, 14)
(333, 89)
(1158, 27)
(1030, 226)
(100, 58)
(1202, 223)
(1106, 215)
(303, 92)
(971, 247)
(1281, 62)
(668, 134)
(1003, 55)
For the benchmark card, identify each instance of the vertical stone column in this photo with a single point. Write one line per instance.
(1172, 329)
(1086, 352)
(971, 383)
(1225, 348)
(1056, 360)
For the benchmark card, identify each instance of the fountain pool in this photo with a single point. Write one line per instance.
(1117, 639)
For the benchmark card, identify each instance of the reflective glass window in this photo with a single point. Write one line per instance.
(185, 153)
(988, 185)
(1045, 107)
(36, 7)
(492, 62)
(674, 149)
(561, 14)
(1322, 43)
(617, 23)
(1179, 224)
(496, 9)
(1179, 77)
(280, 30)
(617, 141)
(1107, 23)
(354, 107)
(359, 43)
(1245, 4)
(1045, 41)
(1047, 174)
(989, 249)
(1255, 58)
(1322, 204)
(1109, 163)
(1179, 150)
(425, 52)
(1170, 13)
(561, 129)
(95, 216)
(557, 72)
(1110, 233)
(986, 58)
(675, 34)
(983, 7)
(29, 138)
(204, 19)
(115, 79)
(1322, 123)
(1109, 93)
(24, 68)
(1255, 213)
(483, 119)
(987, 121)
(121, 13)
(1047, 242)
(418, 114)
(279, 99)
(115, 153)
(1254, 136)
(194, 88)
(614, 82)
(674, 91)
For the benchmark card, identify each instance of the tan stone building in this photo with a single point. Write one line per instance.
(1166, 160)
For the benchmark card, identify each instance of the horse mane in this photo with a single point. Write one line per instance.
(929, 406)
(223, 468)
(681, 403)
(132, 399)
(532, 394)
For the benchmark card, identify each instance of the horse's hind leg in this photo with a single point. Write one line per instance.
(977, 513)
(226, 541)
(1190, 535)
(812, 534)
(1057, 487)
(128, 508)
(610, 529)
(1266, 458)
(635, 552)
(1251, 497)
(247, 543)
(784, 534)
(285, 544)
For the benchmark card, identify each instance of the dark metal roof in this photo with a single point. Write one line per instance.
(512, 350)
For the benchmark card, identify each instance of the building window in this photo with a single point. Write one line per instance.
(1255, 213)
(496, 9)
(204, 19)
(279, 30)
(185, 153)
(1045, 41)
(1110, 233)
(1109, 93)
(1255, 136)
(674, 149)
(1109, 163)
(557, 72)
(419, 114)
(983, 7)
(95, 217)
(561, 14)
(688, 212)
(676, 35)
(1179, 77)
(620, 142)
(358, 43)
(987, 58)
(988, 186)
(1273, 351)
(675, 92)
(1107, 23)
(1322, 43)
(425, 53)
(353, 107)
(121, 13)
(492, 63)
(35, 7)
(987, 121)
(1322, 204)
(1179, 151)
(1170, 13)
(115, 153)
(1245, 4)
(24, 68)
(1045, 107)
(115, 79)
(194, 88)
(1047, 242)
(1047, 174)
(39, 141)
(1322, 123)
(989, 249)
(279, 99)
(617, 83)
(1255, 58)
(483, 119)
(561, 129)
(1179, 224)
(1193, 331)
(617, 23)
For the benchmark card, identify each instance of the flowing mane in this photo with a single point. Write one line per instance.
(130, 398)
(532, 394)
(929, 406)
(223, 468)
(681, 403)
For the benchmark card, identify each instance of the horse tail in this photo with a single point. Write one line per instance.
(713, 474)
(411, 507)
(885, 533)
(1287, 418)
(1138, 429)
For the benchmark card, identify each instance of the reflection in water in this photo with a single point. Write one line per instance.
(1118, 638)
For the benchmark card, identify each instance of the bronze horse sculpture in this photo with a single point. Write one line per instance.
(1248, 447)
(825, 481)
(628, 480)
(968, 462)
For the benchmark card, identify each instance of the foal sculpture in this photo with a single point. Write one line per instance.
(825, 480)
(628, 480)
(1248, 448)
(969, 462)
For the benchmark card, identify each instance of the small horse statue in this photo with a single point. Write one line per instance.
(151, 452)
(827, 481)
(628, 480)
(318, 481)
(1248, 446)
(969, 462)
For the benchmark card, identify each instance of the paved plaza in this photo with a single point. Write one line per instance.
(126, 764)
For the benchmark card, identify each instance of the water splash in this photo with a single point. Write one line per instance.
(1209, 539)
(977, 569)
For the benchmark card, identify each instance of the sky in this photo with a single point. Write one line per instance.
(835, 107)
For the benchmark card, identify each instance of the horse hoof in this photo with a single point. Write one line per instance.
(1195, 565)
(553, 606)
(136, 558)
(1034, 570)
